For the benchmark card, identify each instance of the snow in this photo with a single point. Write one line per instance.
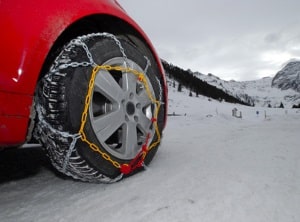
(210, 167)
(260, 91)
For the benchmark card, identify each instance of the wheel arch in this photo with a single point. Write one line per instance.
(99, 23)
(110, 24)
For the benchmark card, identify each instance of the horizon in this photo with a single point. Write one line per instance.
(228, 80)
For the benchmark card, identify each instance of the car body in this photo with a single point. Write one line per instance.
(31, 32)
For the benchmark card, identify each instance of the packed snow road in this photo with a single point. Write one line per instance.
(210, 167)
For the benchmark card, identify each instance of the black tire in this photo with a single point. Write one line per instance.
(119, 116)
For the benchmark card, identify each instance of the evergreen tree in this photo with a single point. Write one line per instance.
(281, 105)
(187, 79)
(296, 106)
(179, 89)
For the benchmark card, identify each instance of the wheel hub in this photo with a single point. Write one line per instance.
(123, 129)
(130, 108)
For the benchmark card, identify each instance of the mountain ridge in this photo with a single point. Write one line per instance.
(259, 92)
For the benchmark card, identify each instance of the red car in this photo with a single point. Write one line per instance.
(82, 79)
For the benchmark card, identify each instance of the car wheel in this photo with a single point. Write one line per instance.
(99, 108)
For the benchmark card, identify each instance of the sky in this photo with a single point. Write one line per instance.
(232, 39)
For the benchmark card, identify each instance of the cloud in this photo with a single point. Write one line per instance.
(272, 38)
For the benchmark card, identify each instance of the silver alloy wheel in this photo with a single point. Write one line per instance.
(121, 111)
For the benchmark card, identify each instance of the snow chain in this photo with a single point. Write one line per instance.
(138, 161)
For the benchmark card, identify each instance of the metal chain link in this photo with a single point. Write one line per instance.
(80, 42)
(54, 131)
(148, 64)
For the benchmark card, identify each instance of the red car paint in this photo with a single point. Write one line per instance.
(28, 31)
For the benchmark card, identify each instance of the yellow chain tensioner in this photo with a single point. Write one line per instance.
(138, 160)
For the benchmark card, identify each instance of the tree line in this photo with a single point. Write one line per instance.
(196, 85)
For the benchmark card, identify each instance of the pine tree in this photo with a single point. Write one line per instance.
(179, 87)
(281, 105)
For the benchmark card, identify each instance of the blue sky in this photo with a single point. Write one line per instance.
(240, 40)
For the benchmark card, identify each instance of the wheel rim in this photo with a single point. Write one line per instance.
(121, 110)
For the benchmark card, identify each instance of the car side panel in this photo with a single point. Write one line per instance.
(13, 126)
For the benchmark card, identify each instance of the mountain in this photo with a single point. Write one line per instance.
(288, 77)
(188, 79)
(258, 93)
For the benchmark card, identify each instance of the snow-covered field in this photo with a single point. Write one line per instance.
(210, 167)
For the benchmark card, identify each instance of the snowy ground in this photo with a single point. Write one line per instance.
(210, 167)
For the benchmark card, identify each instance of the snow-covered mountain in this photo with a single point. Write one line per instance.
(282, 90)
(257, 92)
(288, 77)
